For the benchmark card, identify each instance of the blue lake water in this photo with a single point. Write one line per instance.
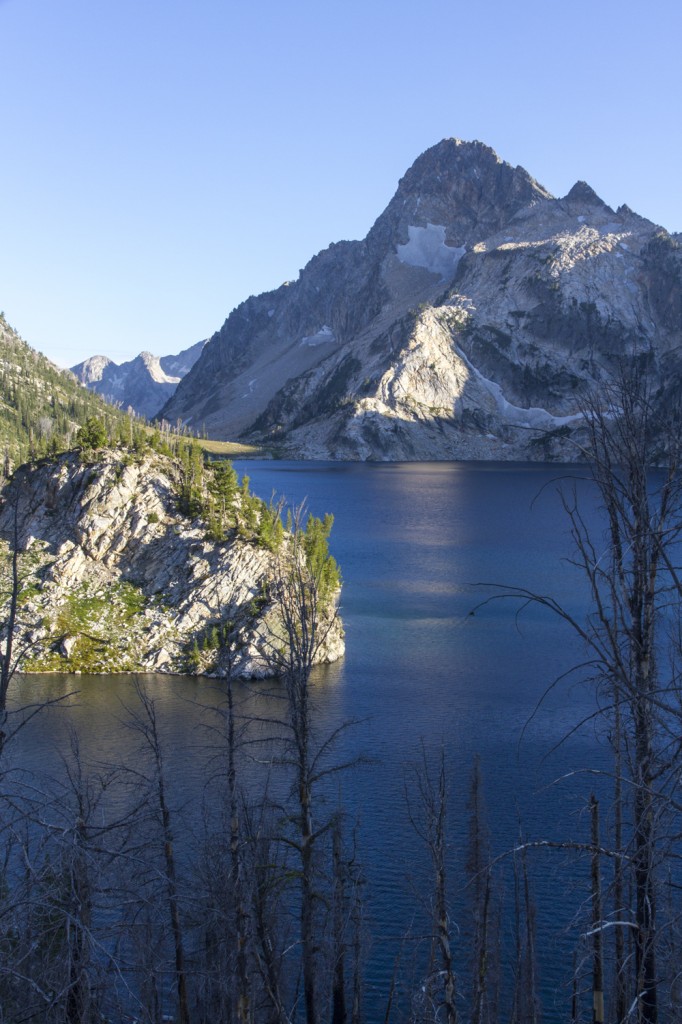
(419, 547)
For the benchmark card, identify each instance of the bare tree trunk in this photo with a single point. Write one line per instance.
(339, 1015)
(531, 988)
(356, 917)
(6, 665)
(236, 879)
(525, 1009)
(480, 884)
(450, 986)
(308, 896)
(428, 819)
(645, 907)
(266, 872)
(597, 921)
(303, 589)
(620, 986)
(146, 724)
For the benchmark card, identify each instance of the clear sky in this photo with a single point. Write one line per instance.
(161, 160)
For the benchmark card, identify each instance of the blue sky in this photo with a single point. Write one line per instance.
(161, 160)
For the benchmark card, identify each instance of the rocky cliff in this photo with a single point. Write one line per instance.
(116, 578)
(143, 384)
(468, 323)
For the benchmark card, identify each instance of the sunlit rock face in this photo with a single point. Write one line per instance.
(469, 323)
(116, 578)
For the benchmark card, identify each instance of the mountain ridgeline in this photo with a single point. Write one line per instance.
(471, 322)
(143, 384)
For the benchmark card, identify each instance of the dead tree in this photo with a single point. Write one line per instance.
(484, 933)
(427, 808)
(597, 920)
(304, 591)
(227, 914)
(8, 663)
(266, 867)
(60, 910)
(526, 1007)
(144, 721)
(635, 588)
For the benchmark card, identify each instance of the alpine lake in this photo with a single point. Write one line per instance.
(431, 665)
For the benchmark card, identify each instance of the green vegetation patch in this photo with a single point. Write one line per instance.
(31, 566)
(231, 448)
(41, 406)
(95, 630)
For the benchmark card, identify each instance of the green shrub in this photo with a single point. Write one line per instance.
(93, 434)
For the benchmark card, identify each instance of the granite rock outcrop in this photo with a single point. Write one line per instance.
(118, 579)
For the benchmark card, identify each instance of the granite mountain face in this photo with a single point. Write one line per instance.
(467, 324)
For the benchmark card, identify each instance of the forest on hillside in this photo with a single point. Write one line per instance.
(41, 406)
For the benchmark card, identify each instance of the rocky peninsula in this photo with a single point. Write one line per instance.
(119, 572)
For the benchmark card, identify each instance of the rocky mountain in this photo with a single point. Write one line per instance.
(467, 324)
(143, 384)
(117, 578)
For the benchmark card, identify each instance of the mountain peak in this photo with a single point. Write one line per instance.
(584, 194)
(92, 369)
(142, 383)
(464, 186)
(463, 326)
(442, 165)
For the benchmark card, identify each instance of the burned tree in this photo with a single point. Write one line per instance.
(304, 592)
(427, 806)
(631, 566)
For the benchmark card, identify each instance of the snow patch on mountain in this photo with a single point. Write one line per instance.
(533, 418)
(325, 334)
(155, 371)
(426, 248)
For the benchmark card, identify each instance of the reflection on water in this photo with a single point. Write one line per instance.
(414, 542)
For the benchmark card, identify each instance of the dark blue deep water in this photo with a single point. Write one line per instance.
(419, 546)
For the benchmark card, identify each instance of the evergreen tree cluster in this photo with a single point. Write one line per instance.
(41, 406)
(205, 647)
(210, 489)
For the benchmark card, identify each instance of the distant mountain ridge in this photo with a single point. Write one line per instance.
(465, 325)
(143, 384)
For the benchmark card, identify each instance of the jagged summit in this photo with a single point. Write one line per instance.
(152, 365)
(444, 168)
(463, 186)
(464, 325)
(584, 193)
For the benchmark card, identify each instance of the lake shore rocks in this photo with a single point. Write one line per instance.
(115, 577)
